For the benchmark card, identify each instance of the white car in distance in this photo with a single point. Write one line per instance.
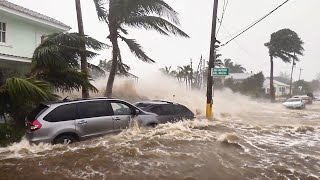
(295, 103)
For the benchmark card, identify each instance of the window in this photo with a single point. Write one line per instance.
(62, 113)
(179, 109)
(121, 109)
(94, 109)
(3, 31)
(37, 112)
(163, 109)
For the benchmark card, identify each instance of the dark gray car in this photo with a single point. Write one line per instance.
(69, 121)
(167, 111)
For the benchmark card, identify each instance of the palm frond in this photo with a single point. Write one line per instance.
(155, 23)
(67, 80)
(96, 68)
(20, 89)
(135, 48)
(101, 10)
(149, 7)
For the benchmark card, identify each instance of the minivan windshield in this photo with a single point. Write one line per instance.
(294, 100)
(37, 112)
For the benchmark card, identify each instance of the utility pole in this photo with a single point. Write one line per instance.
(209, 113)
(191, 73)
(293, 64)
(300, 74)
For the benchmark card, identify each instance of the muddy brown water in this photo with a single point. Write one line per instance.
(270, 142)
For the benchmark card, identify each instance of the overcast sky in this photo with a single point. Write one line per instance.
(302, 16)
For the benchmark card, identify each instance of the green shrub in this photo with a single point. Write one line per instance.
(10, 133)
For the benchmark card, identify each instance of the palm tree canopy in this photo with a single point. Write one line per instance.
(57, 60)
(146, 14)
(286, 45)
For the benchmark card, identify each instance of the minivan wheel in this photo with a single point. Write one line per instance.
(65, 140)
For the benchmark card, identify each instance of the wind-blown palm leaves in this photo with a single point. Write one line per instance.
(57, 60)
(144, 14)
(18, 94)
(286, 45)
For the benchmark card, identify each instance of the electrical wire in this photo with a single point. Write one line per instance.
(225, 5)
(256, 22)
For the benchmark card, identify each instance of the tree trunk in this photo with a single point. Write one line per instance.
(114, 67)
(272, 92)
(84, 63)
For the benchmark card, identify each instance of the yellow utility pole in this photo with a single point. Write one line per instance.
(209, 107)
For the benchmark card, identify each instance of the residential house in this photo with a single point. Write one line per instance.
(21, 31)
(281, 89)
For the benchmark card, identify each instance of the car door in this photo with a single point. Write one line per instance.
(123, 113)
(94, 118)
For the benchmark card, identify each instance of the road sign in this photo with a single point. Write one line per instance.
(220, 72)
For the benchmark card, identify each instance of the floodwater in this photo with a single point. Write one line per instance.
(247, 140)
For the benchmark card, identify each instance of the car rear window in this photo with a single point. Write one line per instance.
(142, 105)
(37, 112)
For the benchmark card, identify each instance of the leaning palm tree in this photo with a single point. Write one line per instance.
(144, 14)
(57, 60)
(286, 45)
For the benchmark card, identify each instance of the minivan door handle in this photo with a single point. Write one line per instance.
(116, 119)
(82, 122)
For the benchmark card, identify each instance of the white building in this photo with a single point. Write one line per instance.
(21, 31)
(281, 89)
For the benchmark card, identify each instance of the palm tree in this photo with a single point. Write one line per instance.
(84, 63)
(18, 95)
(166, 70)
(146, 14)
(179, 74)
(286, 45)
(123, 69)
(186, 71)
(56, 60)
(234, 68)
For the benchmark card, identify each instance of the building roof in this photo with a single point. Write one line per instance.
(267, 83)
(26, 11)
(15, 58)
(239, 76)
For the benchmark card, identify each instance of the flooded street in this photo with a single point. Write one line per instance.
(269, 142)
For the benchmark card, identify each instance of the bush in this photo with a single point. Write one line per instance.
(10, 133)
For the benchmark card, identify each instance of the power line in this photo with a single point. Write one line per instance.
(256, 22)
(225, 5)
(238, 44)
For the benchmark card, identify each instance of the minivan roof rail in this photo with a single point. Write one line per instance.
(163, 101)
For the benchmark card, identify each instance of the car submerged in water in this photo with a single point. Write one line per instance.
(69, 121)
(295, 103)
(167, 111)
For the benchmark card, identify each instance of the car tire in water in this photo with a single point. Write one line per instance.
(152, 125)
(65, 139)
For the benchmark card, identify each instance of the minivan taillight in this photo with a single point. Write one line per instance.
(35, 125)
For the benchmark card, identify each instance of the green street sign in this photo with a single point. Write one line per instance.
(220, 72)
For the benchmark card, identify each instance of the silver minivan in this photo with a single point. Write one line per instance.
(75, 120)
